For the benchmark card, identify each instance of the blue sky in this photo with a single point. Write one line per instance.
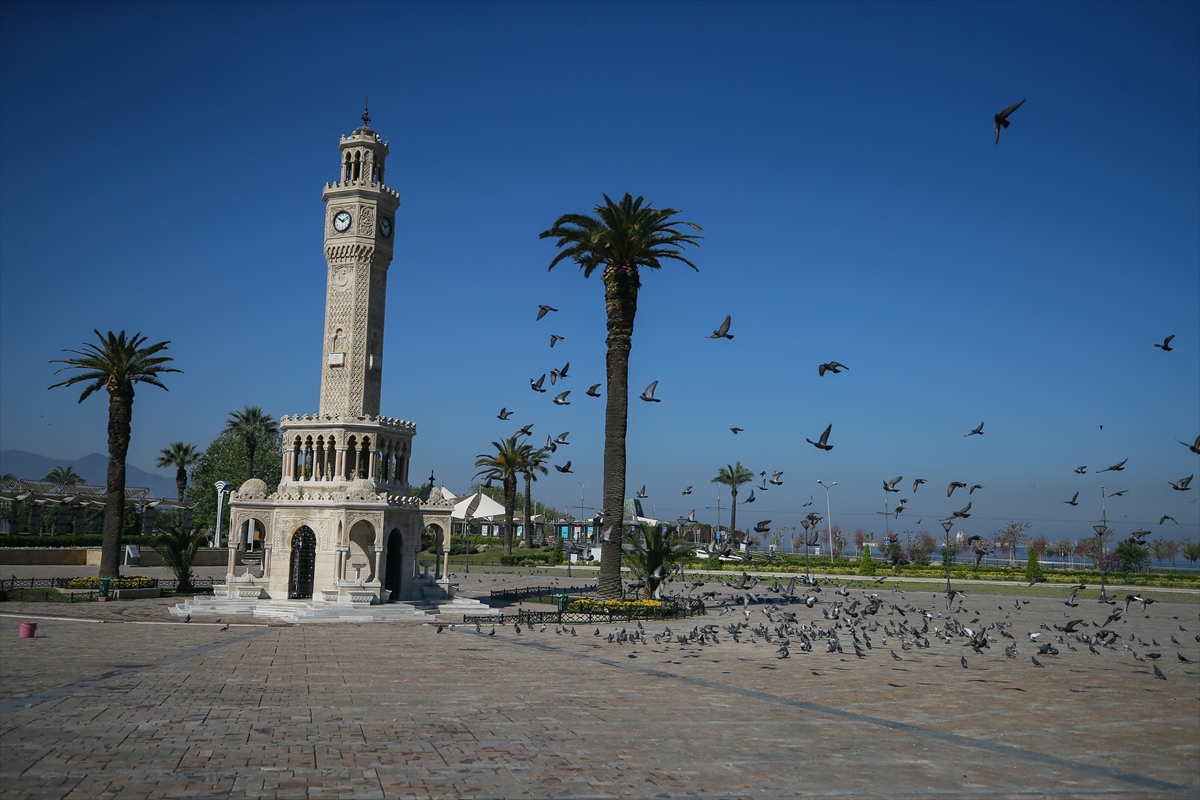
(161, 167)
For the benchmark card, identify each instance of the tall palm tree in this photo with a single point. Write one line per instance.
(733, 476)
(620, 240)
(248, 424)
(115, 364)
(533, 461)
(182, 456)
(503, 465)
(64, 477)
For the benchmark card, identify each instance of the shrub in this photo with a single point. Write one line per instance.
(123, 582)
(866, 565)
(1033, 570)
(556, 555)
(525, 559)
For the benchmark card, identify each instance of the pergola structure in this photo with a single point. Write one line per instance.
(39, 494)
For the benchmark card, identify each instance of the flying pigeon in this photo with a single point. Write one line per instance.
(555, 339)
(562, 438)
(648, 395)
(962, 512)
(688, 490)
(736, 431)
(1166, 344)
(822, 443)
(890, 486)
(976, 486)
(955, 485)
(504, 414)
(593, 391)
(1001, 119)
(528, 429)
(537, 385)
(1119, 494)
(723, 331)
(544, 310)
(1074, 501)
(775, 479)
(918, 482)
(833, 366)
(978, 431)
(1081, 470)
(749, 499)
(561, 400)
(1166, 517)
(1194, 447)
(1115, 467)
(1181, 485)
(565, 468)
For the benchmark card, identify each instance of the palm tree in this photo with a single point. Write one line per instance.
(652, 554)
(182, 456)
(115, 365)
(503, 465)
(64, 477)
(177, 547)
(733, 476)
(533, 461)
(248, 424)
(621, 239)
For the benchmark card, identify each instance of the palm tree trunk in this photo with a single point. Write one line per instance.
(510, 502)
(251, 446)
(529, 510)
(620, 298)
(180, 482)
(733, 516)
(120, 416)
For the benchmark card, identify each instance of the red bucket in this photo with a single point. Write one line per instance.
(28, 629)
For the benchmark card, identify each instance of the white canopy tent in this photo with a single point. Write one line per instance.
(478, 505)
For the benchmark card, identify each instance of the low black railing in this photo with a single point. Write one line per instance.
(666, 611)
(49, 595)
(10, 584)
(547, 592)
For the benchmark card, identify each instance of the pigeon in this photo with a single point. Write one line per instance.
(822, 443)
(688, 490)
(962, 512)
(918, 482)
(963, 661)
(593, 391)
(642, 493)
(763, 526)
(439, 628)
(537, 385)
(1158, 673)
(775, 479)
(504, 414)
(890, 486)
(978, 431)
(1166, 344)
(1037, 663)
(1166, 517)
(1081, 470)
(188, 618)
(562, 438)
(225, 627)
(561, 400)
(723, 331)
(553, 377)
(555, 339)
(736, 431)
(809, 503)
(955, 485)
(832, 366)
(528, 429)
(1001, 119)
(544, 310)
(1194, 447)
(976, 486)
(1115, 467)
(1074, 501)
(1181, 485)
(550, 445)
(565, 468)
(1119, 494)
(648, 395)
(562, 373)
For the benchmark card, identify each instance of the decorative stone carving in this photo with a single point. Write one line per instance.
(253, 489)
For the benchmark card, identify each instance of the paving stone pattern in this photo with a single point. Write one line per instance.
(95, 710)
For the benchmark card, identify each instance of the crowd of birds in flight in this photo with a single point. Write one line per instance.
(856, 619)
(1001, 121)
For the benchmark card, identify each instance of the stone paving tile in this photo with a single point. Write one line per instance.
(400, 711)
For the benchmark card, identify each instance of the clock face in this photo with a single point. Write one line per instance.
(385, 226)
(341, 221)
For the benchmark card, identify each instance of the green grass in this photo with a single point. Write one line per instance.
(48, 596)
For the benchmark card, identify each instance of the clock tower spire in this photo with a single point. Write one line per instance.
(359, 223)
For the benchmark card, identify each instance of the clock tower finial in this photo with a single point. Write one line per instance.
(366, 115)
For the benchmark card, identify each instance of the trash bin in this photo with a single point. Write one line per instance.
(561, 600)
(104, 586)
(28, 630)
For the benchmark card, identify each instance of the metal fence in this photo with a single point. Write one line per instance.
(539, 592)
(48, 595)
(11, 584)
(523, 617)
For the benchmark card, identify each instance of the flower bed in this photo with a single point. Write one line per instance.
(93, 582)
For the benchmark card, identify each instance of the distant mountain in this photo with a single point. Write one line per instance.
(93, 467)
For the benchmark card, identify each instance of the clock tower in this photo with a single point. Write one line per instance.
(360, 213)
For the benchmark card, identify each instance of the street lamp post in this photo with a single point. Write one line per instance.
(221, 486)
(467, 532)
(946, 526)
(1101, 533)
(828, 517)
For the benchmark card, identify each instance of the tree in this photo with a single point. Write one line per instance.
(1063, 549)
(225, 460)
(1033, 570)
(504, 465)
(621, 240)
(533, 461)
(64, 477)
(866, 564)
(1191, 551)
(651, 553)
(1131, 557)
(115, 364)
(1009, 538)
(250, 424)
(733, 476)
(182, 456)
(177, 546)
(1171, 549)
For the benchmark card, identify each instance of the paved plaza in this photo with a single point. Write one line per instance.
(139, 706)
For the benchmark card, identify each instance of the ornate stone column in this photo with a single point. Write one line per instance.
(343, 553)
(266, 562)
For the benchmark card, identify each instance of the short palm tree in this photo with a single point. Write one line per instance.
(115, 364)
(182, 456)
(733, 476)
(177, 546)
(249, 424)
(64, 477)
(533, 461)
(503, 465)
(652, 553)
(621, 240)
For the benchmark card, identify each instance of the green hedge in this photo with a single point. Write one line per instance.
(525, 559)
